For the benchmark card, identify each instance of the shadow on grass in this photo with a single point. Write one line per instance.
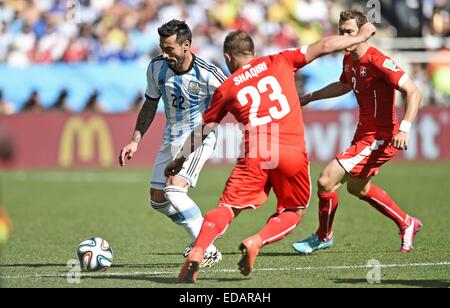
(155, 279)
(163, 254)
(279, 254)
(33, 265)
(400, 283)
(131, 266)
(179, 254)
(149, 265)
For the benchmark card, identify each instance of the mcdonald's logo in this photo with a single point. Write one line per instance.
(83, 133)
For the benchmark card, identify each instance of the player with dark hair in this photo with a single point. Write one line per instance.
(374, 79)
(185, 83)
(261, 94)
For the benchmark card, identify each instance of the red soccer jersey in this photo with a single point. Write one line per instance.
(374, 79)
(263, 97)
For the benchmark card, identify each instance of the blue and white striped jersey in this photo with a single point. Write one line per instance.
(186, 96)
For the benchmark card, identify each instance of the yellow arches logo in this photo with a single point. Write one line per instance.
(83, 133)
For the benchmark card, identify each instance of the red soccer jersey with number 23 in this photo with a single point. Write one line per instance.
(263, 97)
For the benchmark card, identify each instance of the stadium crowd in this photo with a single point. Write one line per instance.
(73, 31)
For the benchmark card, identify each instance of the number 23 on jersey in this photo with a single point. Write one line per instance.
(254, 93)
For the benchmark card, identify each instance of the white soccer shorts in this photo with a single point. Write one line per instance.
(191, 167)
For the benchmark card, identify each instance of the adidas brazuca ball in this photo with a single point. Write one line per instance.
(95, 255)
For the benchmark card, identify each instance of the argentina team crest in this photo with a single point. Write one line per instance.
(194, 87)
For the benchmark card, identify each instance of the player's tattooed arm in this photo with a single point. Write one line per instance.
(144, 119)
(333, 90)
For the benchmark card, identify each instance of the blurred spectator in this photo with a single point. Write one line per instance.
(121, 30)
(421, 79)
(311, 10)
(440, 20)
(61, 102)
(33, 104)
(16, 23)
(6, 13)
(224, 12)
(142, 39)
(137, 102)
(6, 108)
(6, 148)
(6, 39)
(22, 47)
(439, 73)
(51, 46)
(44, 31)
(437, 26)
(93, 104)
(79, 47)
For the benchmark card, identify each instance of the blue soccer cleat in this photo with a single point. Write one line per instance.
(312, 244)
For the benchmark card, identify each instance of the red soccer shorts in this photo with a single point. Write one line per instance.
(250, 183)
(365, 157)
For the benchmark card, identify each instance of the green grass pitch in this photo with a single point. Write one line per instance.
(53, 211)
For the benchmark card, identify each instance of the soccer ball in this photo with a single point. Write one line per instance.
(95, 255)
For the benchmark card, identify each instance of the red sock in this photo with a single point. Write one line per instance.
(278, 226)
(214, 224)
(328, 203)
(380, 200)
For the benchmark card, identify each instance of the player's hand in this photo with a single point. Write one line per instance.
(127, 152)
(174, 167)
(367, 30)
(400, 141)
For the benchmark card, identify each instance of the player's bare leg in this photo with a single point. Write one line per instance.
(380, 200)
(331, 178)
(160, 203)
(358, 187)
(278, 226)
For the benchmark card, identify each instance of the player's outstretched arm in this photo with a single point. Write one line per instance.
(191, 144)
(143, 122)
(332, 90)
(413, 98)
(339, 42)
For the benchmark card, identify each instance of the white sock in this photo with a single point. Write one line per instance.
(165, 208)
(188, 214)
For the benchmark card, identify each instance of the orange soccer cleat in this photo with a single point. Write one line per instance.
(5, 226)
(190, 268)
(250, 249)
